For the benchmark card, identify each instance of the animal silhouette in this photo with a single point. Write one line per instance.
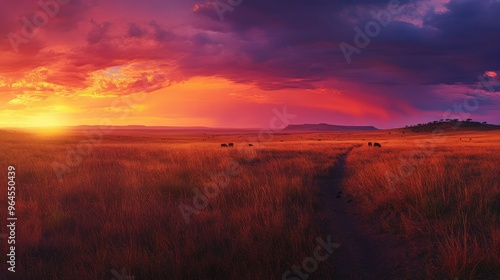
(377, 145)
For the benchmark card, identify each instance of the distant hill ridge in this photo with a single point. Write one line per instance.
(327, 127)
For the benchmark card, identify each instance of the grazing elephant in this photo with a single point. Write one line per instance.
(250, 145)
(377, 145)
(223, 145)
(369, 144)
(231, 145)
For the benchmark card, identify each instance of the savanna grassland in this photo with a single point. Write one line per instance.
(441, 192)
(119, 206)
(132, 202)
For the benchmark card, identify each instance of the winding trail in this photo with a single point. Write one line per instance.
(364, 253)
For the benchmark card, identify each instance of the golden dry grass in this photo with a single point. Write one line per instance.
(120, 206)
(442, 193)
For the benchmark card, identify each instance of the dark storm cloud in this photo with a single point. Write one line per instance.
(449, 48)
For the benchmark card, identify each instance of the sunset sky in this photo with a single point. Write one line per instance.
(177, 63)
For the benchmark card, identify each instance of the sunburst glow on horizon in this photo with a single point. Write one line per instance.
(195, 70)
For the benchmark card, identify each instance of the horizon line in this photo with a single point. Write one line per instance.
(183, 127)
